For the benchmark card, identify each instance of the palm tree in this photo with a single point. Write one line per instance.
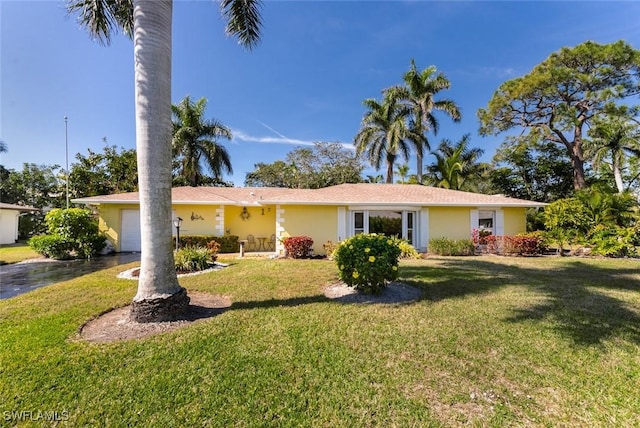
(419, 91)
(159, 296)
(611, 142)
(402, 171)
(384, 133)
(3, 147)
(374, 179)
(194, 143)
(456, 165)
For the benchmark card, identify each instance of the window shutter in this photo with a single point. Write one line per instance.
(499, 223)
(474, 221)
(423, 229)
(342, 224)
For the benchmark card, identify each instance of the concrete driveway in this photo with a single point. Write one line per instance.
(19, 278)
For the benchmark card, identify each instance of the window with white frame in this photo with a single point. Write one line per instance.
(401, 224)
(358, 222)
(486, 222)
(410, 226)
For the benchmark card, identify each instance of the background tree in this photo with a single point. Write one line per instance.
(36, 185)
(384, 133)
(195, 145)
(456, 165)
(159, 296)
(419, 92)
(325, 164)
(536, 171)
(613, 143)
(39, 186)
(561, 96)
(104, 173)
(276, 174)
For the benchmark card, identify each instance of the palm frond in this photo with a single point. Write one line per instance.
(103, 18)
(243, 20)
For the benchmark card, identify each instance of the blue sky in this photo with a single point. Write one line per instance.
(304, 82)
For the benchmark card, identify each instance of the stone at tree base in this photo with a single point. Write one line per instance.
(171, 308)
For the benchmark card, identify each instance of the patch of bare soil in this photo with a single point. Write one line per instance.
(117, 325)
(394, 292)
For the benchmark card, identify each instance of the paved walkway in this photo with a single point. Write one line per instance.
(19, 278)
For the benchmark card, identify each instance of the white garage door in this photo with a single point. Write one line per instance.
(130, 230)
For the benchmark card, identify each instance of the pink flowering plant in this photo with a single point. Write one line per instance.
(368, 262)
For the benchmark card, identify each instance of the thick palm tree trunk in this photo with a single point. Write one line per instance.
(390, 160)
(617, 174)
(159, 296)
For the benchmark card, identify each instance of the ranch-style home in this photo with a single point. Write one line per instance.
(414, 212)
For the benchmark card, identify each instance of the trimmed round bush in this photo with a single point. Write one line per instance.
(298, 247)
(367, 262)
(52, 246)
(72, 233)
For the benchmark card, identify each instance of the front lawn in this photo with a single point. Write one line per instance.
(493, 342)
(15, 253)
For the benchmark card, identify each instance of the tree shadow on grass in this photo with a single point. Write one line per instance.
(276, 303)
(579, 303)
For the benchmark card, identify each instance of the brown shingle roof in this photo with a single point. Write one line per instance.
(343, 194)
(400, 194)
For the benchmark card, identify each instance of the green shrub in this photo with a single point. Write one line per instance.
(73, 232)
(451, 247)
(72, 223)
(89, 246)
(407, 251)
(192, 259)
(614, 242)
(635, 234)
(367, 262)
(52, 246)
(298, 247)
(228, 243)
(566, 221)
(200, 241)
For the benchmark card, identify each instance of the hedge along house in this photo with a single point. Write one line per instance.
(413, 212)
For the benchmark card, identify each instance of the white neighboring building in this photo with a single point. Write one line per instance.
(9, 215)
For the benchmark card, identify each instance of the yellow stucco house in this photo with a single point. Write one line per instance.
(413, 212)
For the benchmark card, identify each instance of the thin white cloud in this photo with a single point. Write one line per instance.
(489, 72)
(272, 130)
(239, 135)
(242, 136)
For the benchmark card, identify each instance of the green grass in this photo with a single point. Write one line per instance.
(15, 253)
(493, 342)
